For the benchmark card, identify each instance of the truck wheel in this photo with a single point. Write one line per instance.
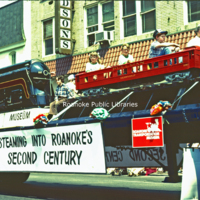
(13, 177)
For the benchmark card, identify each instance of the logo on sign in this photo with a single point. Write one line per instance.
(147, 132)
(151, 132)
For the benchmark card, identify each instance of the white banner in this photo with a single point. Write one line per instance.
(77, 148)
(20, 117)
(131, 157)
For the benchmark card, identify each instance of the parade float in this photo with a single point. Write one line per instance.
(80, 139)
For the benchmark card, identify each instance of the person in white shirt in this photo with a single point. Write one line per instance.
(195, 41)
(94, 63)
(125, 57)
(71, 85)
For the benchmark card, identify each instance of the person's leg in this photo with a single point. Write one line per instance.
(61, 104)
(53, 110)
(166, 51)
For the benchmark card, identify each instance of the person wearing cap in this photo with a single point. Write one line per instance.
(71, 85)
(160, 47)
(94, 63)
(125, 57)
(195, 41)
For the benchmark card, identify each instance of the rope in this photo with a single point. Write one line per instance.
(185, 92)
(121, 101)
(64, 110)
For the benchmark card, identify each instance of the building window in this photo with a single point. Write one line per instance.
(148, 16)
(92, 24)
(48, 37)
(108, 16)
(13, 57)
(138, 17)
(193, 11)
(129, 16)
(99, 18)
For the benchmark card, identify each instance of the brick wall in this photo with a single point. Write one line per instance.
(169, 16)
(78, 25)
(40, 11)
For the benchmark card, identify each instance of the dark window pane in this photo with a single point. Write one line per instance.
(109, 26)
(93, 29)
(130, 26)
(48, 29)
(128, 8)
(13, 58)
(147, 5)
(193, 11)
(91, 39)
(92, 16)
(49, 46)
(148, 22)
(73, 12)
(108, 11)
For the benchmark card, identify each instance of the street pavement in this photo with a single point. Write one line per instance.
(53, 186)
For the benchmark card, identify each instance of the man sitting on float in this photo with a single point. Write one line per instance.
(160, 47)
(61, 95)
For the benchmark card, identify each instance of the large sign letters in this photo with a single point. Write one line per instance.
(72, 148)
(63, 26)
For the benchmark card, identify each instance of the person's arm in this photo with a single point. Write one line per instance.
(166, 44)
(69, 91)
(131, 59)
(120, 61)
(73, 87)
(102, 66)
(56, 95)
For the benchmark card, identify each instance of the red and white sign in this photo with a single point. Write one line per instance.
(147, 132)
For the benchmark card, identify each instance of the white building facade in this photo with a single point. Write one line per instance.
(15, 25)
